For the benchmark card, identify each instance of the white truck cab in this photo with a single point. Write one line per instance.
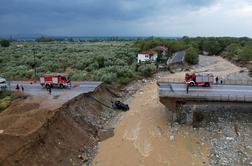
(3, 83)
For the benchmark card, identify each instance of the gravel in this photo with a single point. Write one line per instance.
(229, 132)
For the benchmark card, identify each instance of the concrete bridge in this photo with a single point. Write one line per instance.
(173, 95)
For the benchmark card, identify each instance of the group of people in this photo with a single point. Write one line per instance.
(18, 87)
(217, 79)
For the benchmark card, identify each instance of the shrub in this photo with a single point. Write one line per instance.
(4, 94)
(4, 103)
(78, 75)
(147, 69)
(108, 77)
(246, 53)
(5, 99)
(100, 61)
(124, 80)
(233, 48)
(5, 43)
(192, 56)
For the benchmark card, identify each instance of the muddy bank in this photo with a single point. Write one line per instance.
(66, 136)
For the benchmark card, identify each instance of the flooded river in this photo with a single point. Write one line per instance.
(143, 137)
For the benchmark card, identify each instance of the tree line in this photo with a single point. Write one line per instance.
(239, 49)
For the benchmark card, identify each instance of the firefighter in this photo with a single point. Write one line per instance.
(22, 88)
(217, 80)
(221, 79)
(187, 88)
(17, 87)
(50, 90)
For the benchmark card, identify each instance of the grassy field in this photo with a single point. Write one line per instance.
(110, 61)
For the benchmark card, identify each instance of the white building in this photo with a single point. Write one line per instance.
(148, 55)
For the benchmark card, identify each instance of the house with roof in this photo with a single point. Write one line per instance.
(147, 55)
(161, 49)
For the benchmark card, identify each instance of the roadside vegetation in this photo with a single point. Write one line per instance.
(5, 99)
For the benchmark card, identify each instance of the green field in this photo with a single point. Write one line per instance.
(110, 61)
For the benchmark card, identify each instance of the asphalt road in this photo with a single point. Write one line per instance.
(84, 86)
(213, 90)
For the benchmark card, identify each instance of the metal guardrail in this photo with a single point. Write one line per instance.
(224, 82)
(207, 97)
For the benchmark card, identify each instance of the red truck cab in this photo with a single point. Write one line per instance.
(55, 80)
(200, 79)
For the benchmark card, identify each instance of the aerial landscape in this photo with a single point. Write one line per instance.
(126, 83)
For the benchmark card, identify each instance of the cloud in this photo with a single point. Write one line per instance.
(123, 17)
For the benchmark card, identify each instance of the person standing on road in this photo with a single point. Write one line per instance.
(22, 88)
(50, 90)
(221, 79)
(187, 88)
(217, 80)
(17, 87)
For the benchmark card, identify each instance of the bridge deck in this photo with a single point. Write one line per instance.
(239, 93)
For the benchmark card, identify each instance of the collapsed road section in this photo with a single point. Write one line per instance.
(32, 134)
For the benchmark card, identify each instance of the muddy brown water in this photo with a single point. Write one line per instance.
(142, 137)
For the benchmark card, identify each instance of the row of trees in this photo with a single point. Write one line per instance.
(111, 62)
(233, 48)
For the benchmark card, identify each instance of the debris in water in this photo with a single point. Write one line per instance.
(236, 130)
(171, 137)
(229, 138)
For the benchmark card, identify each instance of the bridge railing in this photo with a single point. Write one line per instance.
(206, 97)
(224, 82)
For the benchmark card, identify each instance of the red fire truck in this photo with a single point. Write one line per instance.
(201, 79)
(55, 80)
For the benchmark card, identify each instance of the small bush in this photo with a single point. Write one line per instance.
(192, 56)
(4, 103)
(5, 99)
(108, 77)
(246, 53)
(124, 80)
(5, 43)
(78, 75)
(4, 94)
(147, 69)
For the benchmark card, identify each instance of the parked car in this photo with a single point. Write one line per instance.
(3, 84)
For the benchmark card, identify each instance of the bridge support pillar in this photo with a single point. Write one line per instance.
(177, 114)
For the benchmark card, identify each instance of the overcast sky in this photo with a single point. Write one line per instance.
(126, 17)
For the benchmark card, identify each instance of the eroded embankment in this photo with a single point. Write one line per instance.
(65, 136)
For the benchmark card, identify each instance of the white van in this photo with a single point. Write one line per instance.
(3, 84)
